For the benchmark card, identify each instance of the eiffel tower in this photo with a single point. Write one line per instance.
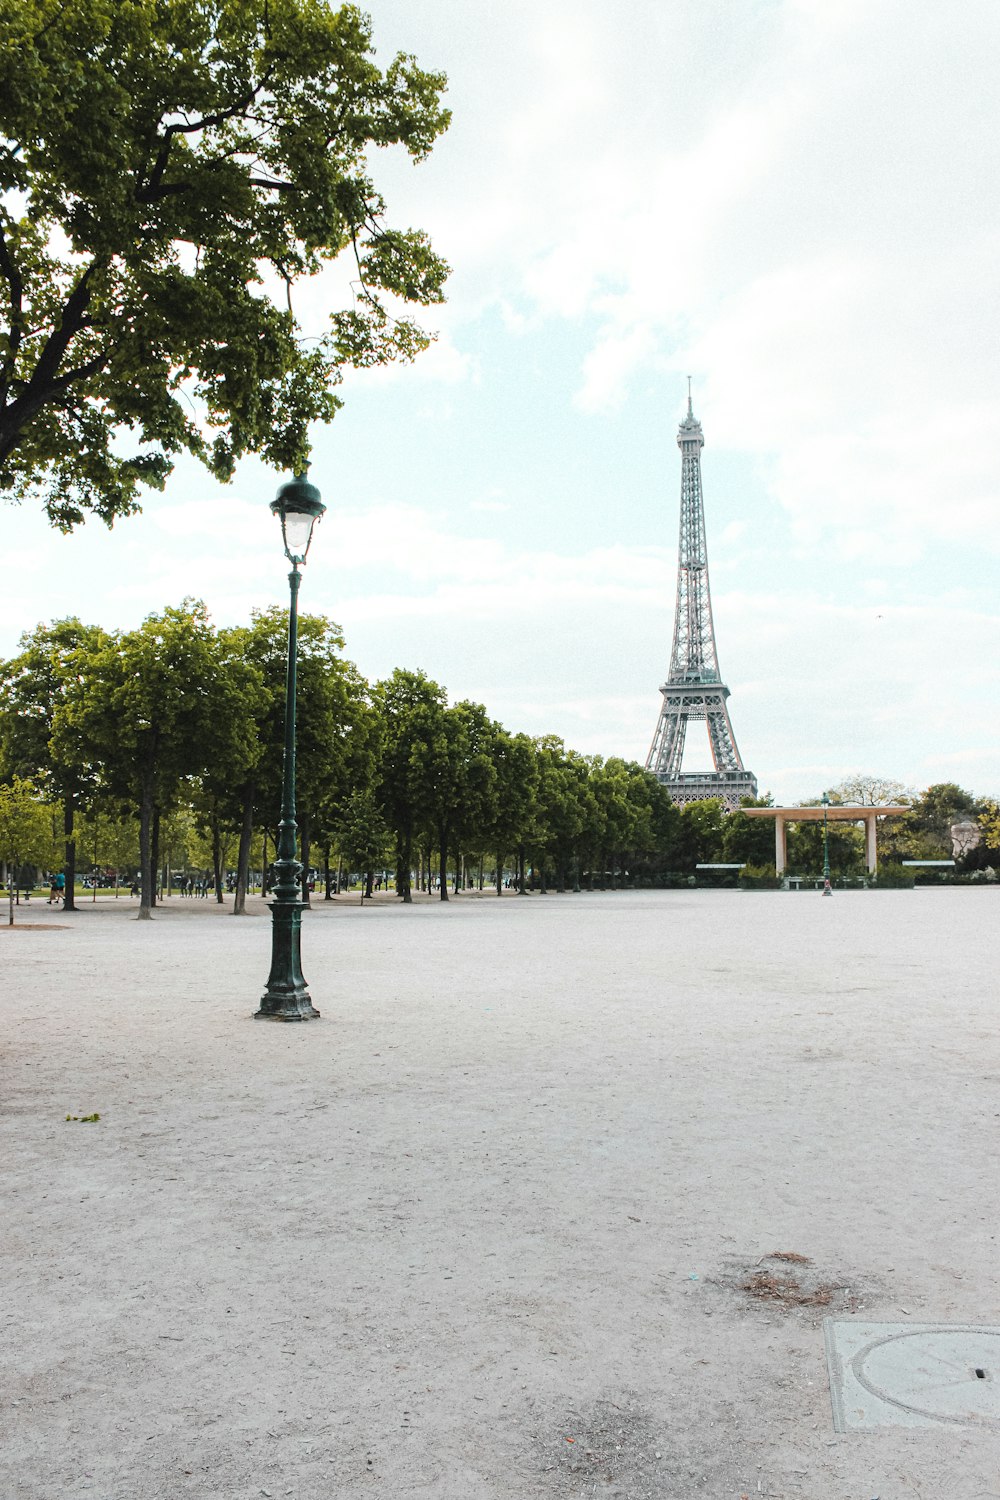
(694, 688)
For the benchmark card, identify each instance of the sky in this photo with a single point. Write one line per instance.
(795, 203)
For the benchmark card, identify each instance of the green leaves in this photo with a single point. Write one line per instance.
(169, 170)
(25, 824)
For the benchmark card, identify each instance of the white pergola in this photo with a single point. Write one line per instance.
(835, 814)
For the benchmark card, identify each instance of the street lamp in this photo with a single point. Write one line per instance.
(827, 888)
(286, 998)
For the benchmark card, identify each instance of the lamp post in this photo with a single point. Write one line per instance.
(299, 507)
(827, 888)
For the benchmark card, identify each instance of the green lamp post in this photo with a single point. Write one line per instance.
(827, 888)
(299, 507)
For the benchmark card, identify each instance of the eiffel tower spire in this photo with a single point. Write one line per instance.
(694, 688)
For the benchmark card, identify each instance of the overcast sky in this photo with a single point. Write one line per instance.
(794, 201)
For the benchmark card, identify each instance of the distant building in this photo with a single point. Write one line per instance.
(694, 688)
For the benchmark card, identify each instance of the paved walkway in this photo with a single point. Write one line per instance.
(501, 1225)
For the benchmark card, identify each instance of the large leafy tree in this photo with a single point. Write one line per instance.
(989, 821)
(452, 777)
(410, 710)
(863, 790)
(231, 748)
(25, 831)
(49, 664)
(147, 704)
(749, 840)
(332, 726)
(362, 836)
(516, 767)
(169, 171)
(701, 832)
(565, 804)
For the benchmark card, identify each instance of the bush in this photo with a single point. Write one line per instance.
(893, 878)
(760, 878)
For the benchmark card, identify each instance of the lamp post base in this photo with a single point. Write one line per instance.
(286, 997)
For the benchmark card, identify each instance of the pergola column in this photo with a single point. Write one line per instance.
(780, 844)
(870, 845)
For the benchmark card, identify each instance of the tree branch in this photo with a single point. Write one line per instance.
(45, 383)
(273, 185)
(153, 188)
(12, 276)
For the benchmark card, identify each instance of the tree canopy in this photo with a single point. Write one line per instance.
(178, 726)
(169, 170)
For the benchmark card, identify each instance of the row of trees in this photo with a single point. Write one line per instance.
(175, 730)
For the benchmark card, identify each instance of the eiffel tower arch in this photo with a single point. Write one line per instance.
(694, 688)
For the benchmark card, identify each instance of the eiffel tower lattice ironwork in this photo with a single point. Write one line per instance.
(694, 688)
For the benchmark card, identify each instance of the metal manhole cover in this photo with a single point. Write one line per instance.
(913, 1374)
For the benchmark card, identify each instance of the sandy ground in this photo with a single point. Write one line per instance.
(482, 1232)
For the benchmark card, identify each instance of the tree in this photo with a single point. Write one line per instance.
(409, 708)
(647, 803)
(931, 818)
(559, 804)
(145, 706)
(362, 836)
(516, 767)
(25, 832)
(845, 843)
(452, 775)
(232, 749)
(109, 838)
(170, 170)
(333, 735)
(32, 686)
(869, 791)
(701, 832)
(749, 841)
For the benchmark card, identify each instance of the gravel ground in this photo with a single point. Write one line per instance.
(503, 1224)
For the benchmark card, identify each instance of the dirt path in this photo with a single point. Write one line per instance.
(484, 1231)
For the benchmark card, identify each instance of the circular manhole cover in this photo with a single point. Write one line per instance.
(951, 1375)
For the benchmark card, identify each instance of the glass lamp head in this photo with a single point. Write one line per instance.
(298, 506)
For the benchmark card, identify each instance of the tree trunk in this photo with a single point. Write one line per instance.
(403, 869)
(69, 813)
(326, 873)
(306, 848)
(154, 857)
(500, 859)
(482, 871)
(522, 889)
(369, 882)
(217, 856)
(443, 860)
(243, 857)
(146, 856)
